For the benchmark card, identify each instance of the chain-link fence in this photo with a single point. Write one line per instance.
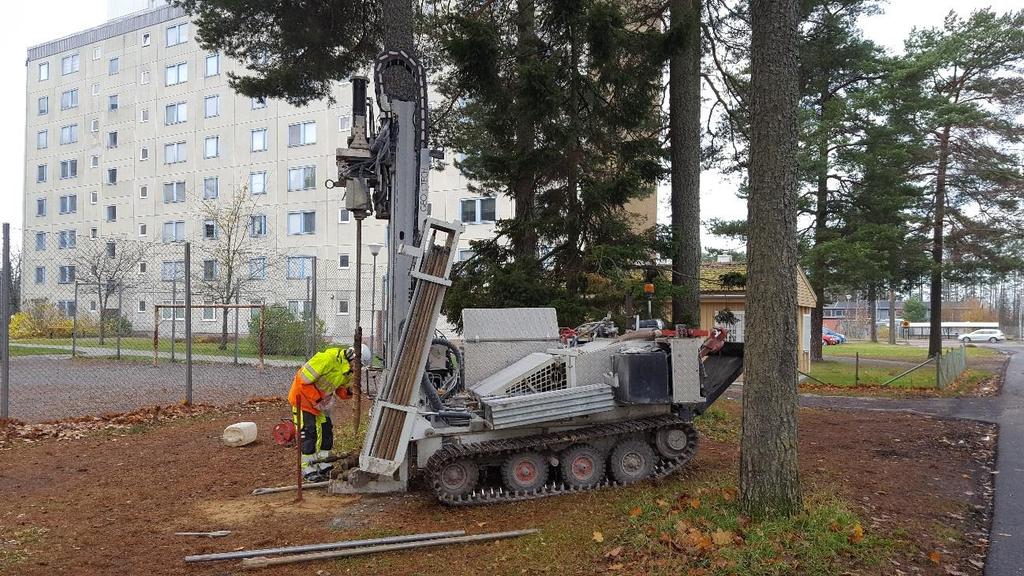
(101, 324)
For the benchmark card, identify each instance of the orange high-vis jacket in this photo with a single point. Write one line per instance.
(326, 373)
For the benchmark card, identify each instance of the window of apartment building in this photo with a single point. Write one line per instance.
(44, 105)
(40, 274)
(174, 192)
(177, 34)
(112, 139)
(209, 270)
(144, 115)
(258, 103)
(147, 39)
(343, 307)
(174, 231)
(94, 125)
(67, 307)
(302, 178)
(258, 225)
(69, 134)
(68, 169)
(258, 183)
(212, 64)
(302, 134)
(112, 102)
(344, 216)
(67, 275)
(175, 313)
(176, 74)
(67, 239)
(302, 222)
(111, 176)
(144, 153)
(142, 306)
(343, 261)
(94, 161)
(144, 77)
(42, 139)
(111, 213)
(111, 250)
(94, 197)
(69, 99)
(94, 233)
(211, 106)
(96, 89)
(144, 192)
(299, 267)
(40, 241)
(40, 206)
(300, 308)
(114, 66)
(143, 230)
(478, 210)
(258, 139)
(211, 188)
(97, 52)
(69, 64)
(344, 123)
(209, 313)
(258, 268)
(211, 147)
(176, 113)
(142, 267)
(174, 152)
(210, 229)
(44, 71)
(172, 270)
(41, 173)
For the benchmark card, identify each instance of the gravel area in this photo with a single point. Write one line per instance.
(51, 387)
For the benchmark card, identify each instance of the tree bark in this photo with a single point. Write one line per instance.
(684, 141)
(769, 472)
(938, 232)
(873, 312)
(820, 232)
(523, 232)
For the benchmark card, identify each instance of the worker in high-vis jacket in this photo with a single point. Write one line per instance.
(322, 379)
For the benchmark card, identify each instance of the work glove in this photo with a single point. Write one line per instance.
(344, 393)
(326, 403)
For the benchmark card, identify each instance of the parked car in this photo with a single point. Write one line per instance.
(828, 340)
(841, 338)
(983, 335)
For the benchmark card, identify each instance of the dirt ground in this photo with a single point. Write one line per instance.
(110, 501)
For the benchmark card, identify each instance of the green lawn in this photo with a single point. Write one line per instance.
(899, 351)
(246, 348)
(19, 351)
(843, 375)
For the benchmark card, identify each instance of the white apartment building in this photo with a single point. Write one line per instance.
(131, 126)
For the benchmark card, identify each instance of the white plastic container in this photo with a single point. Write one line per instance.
(239, 434)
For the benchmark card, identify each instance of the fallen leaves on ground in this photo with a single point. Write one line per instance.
(856, 534)
(935, 557)
(75, 428)
(598, 537)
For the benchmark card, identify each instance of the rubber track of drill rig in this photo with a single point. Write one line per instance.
(452, 452)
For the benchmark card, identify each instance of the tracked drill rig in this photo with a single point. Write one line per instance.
(518, 412)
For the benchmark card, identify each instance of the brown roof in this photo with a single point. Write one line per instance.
(711, 281)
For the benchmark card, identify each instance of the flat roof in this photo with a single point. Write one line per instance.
(118, 27)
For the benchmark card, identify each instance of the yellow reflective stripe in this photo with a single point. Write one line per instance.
(308, 373)
(320, 419)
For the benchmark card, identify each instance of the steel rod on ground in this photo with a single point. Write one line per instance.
(5, 337)
(319, 547)
(279, 489)
(263, 562)
(188, 323)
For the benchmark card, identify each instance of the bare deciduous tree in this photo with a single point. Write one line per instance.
(108, 265)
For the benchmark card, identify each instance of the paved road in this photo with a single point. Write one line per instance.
(52, 387)
(1006, 555)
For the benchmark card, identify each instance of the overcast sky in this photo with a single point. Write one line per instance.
(31, 23)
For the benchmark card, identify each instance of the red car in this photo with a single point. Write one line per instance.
(829, 340)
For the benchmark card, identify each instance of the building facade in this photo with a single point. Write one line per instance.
(132, 129)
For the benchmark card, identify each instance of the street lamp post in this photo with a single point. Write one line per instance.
(374, 250)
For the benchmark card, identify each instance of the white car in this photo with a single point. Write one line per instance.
(983, 335)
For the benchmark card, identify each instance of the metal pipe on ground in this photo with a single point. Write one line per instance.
(264, 562)
(320, 547)
(304, 485)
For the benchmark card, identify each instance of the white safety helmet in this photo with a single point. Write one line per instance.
(367, 356)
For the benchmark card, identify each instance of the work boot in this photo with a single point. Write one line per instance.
(315, 476)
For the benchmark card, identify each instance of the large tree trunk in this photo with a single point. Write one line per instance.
(769, 471)
(523, 232)
(684, 139)
(938, 233)
(820, 230)
(873, 312)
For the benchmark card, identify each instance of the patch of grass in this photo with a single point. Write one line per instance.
(246, 348)
(843, 375)
(20, 351)
(706, 532)
(719, 425)
(903, 352)
(14, 546)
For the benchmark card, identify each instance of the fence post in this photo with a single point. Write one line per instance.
(938, 371)
(305, 318)
(312, 312)
(74, 325)
(236, 326)
(856, 370)
(263, 319)
(120, 313)
(156, 332)
(5, 338)
(174, 311)
(188, 323)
